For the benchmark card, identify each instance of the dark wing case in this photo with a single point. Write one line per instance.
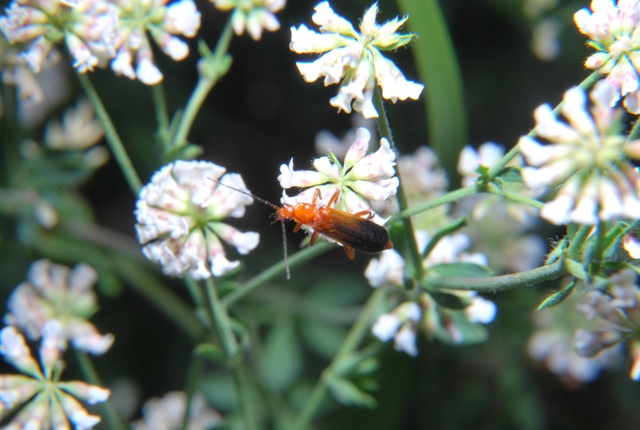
(358, 233)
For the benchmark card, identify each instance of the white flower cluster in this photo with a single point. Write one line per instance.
(179, 216)
(588, 156)
(99, 32)
(54, 292)
(354, 58)
(613, 31)
(252, 15)
(361, 178)
(167, 413)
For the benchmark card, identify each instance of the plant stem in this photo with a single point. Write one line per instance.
(276, 270)
(205, 83)
(514, 197)
(357, 333)
(403, 202)
(162, 116)
(450, 197)
(92, 377)
(116, 145)
(499, 283)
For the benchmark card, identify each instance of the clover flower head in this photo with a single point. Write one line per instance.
(360, 179)
(167, 412)
(588, 155)
(40, 398)
(87, 27)
(54, 292)
(354, 58)
(252, 16)
(401, 325)
(180, 214)
(163, 23)
(386, 271)
(612, 30)
(79, 130)
(614, 316)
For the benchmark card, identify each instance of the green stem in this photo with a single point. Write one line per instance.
(162, 116)
(221, 318)
(158, 294)
(635, 131)
(514, 197)
(577, 242)
(403, 202)
(205, 83)
(357, 333)
(492, 284)
(275, 271)
(450, 197)
(92, 378)
(447, 230)
(116, 145)
(193, 378)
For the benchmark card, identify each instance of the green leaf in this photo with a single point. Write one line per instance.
(281, 362)
(348, 394)
(324, 339)
(450, 301)
(469, 333)
(557, 297)
(576, 269)
(210, 352)
(439, 72)
(462, 270)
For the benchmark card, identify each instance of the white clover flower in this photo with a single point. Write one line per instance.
(386, 271)
(589, 156)
(612, 30)
(79, 129)
(54, 292)
(401, 325)
(252, 16)
(326, 141)
(163, 23)
(180, 215)
(614, 316)
(354, 58)
(545, 40)
(86, 26)
(362, 177)
(167, 412)
(43, 401)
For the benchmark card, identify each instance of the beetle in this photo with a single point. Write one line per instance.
(356, 232)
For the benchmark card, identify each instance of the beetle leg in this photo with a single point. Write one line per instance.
(314, 236)
(369, 214)
(316, 196)
(350, 252)
(297, 227)
(333, 198)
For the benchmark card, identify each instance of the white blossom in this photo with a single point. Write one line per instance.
(252, 16)
(43, 400)
(354, 58)
(589, 156)
(167, 412)
(360, 179)
(180, 214)
(54, 292)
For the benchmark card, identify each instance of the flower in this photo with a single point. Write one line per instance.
(614, 316)
(252, 15)
(354, 58)
(54, 292)
(167, 412)
(612, 30)
(401, 325)
(179, 218)
(588, 155)
(360, 179)
(162, 22)
(86, 26)
(425, 313)
(42, 399)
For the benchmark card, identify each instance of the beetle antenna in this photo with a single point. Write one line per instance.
(284, 244)
(263, 201)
